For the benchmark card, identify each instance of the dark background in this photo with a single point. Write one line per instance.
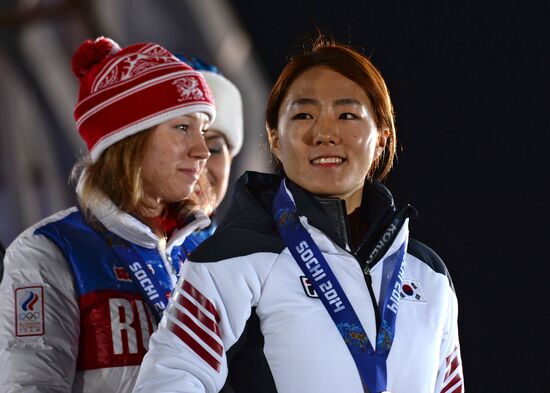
(469, 82)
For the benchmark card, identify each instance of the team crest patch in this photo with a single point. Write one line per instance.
(308, 288)
(29, 311)
(412, 290)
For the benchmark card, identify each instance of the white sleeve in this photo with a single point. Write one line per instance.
(39, 318)
(207, 314)
(450, 378)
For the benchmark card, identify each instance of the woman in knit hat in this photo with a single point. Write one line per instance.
(84, 288)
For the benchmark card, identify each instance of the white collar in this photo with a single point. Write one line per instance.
(131, 229)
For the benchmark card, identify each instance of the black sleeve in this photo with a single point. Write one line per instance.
(249, 371)
(430, 258)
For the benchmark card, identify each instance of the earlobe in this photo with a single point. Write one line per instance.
(273, 136)
(382, 140)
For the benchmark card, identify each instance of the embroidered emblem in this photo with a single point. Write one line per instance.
(188, 89)
(308, 288)
(121, 274)
(412, 291)
(133, 65)
(29, 311)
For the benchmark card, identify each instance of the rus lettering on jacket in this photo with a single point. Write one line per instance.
(122, 318)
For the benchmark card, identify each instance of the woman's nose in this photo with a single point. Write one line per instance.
(199, 149)
(325, 132)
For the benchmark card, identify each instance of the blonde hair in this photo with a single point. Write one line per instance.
(117, 175)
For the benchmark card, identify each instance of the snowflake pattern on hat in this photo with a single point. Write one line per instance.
(126, 91)
(133, 65)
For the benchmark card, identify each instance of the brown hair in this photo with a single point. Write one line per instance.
(117, 175)
(355, 66)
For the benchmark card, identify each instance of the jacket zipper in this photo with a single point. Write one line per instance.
(401, 215)
(368, 281)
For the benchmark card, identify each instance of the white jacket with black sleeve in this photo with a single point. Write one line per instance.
(245, 319)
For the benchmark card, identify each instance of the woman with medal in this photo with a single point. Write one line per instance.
(312, 283)
(84, 289)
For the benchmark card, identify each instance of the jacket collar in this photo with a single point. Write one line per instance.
(329, 214)
(325, 213)
(131, 229)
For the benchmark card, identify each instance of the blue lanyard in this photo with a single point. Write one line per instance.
(148, 282)
(370, 362)
(195, 239)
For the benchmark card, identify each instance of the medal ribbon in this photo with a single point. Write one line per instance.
(370, 362)
(148, 281)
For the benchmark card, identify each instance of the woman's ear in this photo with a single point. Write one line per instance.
(382, 140)
(273, 137)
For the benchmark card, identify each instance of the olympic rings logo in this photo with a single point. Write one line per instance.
(31, 316)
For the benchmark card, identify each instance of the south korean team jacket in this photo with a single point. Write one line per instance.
(72, 318)
(244, 318)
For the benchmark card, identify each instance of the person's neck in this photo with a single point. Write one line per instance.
(152, 216)
(353, 200)
(152, 207)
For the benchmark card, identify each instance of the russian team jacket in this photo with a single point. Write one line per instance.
(71, 317)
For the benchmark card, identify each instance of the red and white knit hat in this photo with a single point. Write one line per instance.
(125, 91)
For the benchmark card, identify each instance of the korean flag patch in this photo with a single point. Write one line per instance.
(29, 311)
(412, 291)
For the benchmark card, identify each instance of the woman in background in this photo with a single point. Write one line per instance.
(224, 139)
(84, 289)
(311, 283)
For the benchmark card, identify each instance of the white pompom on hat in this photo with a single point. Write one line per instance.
(229, 110)
(129, 90)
